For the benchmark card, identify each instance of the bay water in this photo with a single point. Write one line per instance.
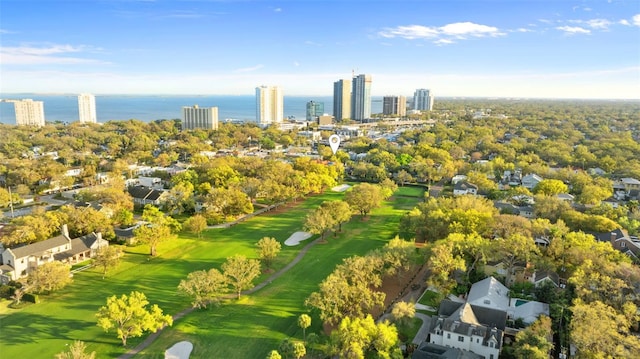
(64, 107)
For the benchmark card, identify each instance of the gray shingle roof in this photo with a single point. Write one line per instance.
(39, 248)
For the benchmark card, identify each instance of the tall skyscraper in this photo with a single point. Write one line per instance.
(342, 100)
(394, 105)
(314, 109)
(29, 112)
(269, 105)
(361, 98)
(196, 117)
(87, 108)
(423, 100)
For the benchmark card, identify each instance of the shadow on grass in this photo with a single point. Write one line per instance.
(35, 327)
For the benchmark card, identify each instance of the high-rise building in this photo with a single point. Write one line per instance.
(195, 117)
(423, 100)
(29, 112)
(361, 98)
(314, 109)
(394, 105)
(342, 100)
(269, 105)
(87, 108)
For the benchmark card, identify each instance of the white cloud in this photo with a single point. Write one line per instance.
(572, 30)
(636, 20)
(296, 63)
(601, 24)
(410, 32)
(249, 69)
(443, 34)
(624, 22)
(443, 42)
(277, 9)
(521, 29)
(462, 29)
(49, 54)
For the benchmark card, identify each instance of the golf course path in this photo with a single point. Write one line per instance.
(144, 344)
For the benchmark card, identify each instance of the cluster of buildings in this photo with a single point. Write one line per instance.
(31, 113)
(351, 100)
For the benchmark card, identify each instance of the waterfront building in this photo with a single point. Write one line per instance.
(314, 109)
(195, 117)
(394, 105)
(423, 100)
(87, 108)
(269, 105)
(342, 100)
(29, 112)
(361, 98)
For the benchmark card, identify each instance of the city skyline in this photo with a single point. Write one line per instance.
(488, 48)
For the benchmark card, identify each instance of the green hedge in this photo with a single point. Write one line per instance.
(28, 297)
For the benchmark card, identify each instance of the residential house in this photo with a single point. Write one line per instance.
(620, 240)
(458, 178)
(626, 189)
(566, 197)
(630, 183)
(531, 180)
(497, 268)
(469, 327)
(490, 293)
(21, 261)
(506, 208)
(464, 187)
(540, 277)
(527, 212)
(512, 179)
(144, 195)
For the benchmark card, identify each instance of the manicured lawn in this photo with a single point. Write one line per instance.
(253, 326)
(408, 331)
(239, 329)
(410, 191)
(429, 298)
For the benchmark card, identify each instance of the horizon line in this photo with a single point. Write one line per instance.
(2, 96)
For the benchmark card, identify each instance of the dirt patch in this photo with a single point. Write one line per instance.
(401, 289)
(406, 288)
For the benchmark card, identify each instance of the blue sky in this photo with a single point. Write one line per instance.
(485, 48)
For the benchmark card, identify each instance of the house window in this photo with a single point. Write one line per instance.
(477, 340)
(460, 338)
(490, 356)
(490, 344)
(448, 335)
(21, 261)
(623, 244)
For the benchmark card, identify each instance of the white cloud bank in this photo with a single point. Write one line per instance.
(572, 30)
(444, 34)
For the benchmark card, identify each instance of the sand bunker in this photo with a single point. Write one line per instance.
(296, 238)
(180, 350)
(341, 188)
